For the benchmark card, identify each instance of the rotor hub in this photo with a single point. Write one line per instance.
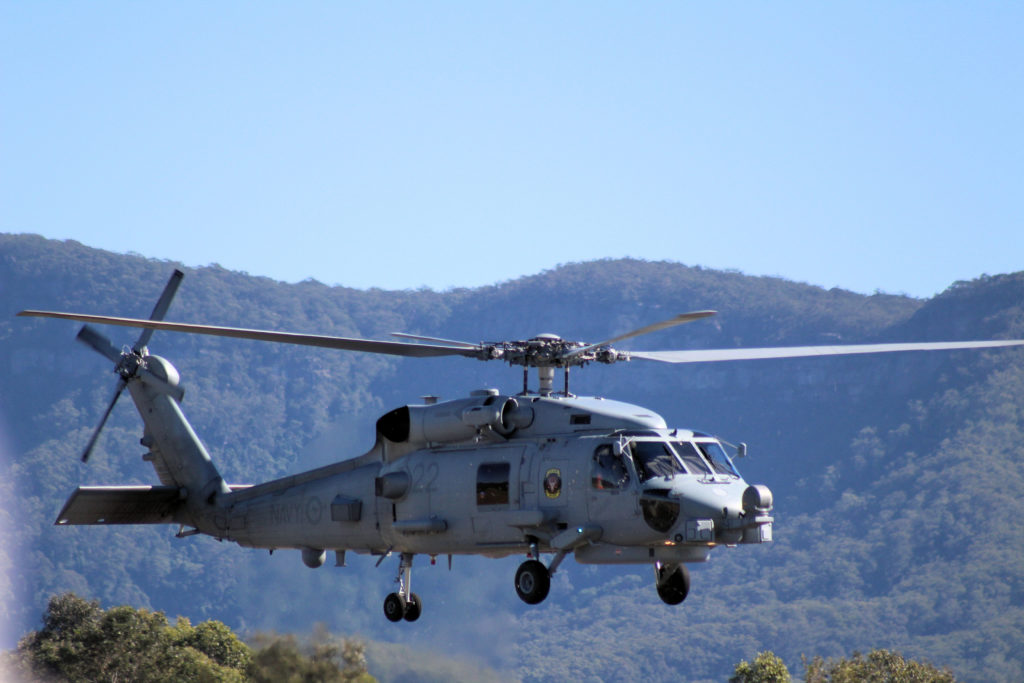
(543, 351)
(129, 365)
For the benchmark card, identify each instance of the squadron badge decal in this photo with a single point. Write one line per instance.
(553, 483)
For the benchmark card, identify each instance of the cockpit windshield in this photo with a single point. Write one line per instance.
(688, 452)
(712, 450)
(654, 459)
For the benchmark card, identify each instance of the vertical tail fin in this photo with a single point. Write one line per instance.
(176, 453)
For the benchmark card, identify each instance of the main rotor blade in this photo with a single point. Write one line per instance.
(88, 335)
(452, 342)
(654, 327)
(160, 310)
(323, 341)
(714, 355)
(103, 420)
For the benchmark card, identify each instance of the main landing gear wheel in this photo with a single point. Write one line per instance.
(673, 583)
(413, 607)
(395, 606)
(533, 582)
(403, 603)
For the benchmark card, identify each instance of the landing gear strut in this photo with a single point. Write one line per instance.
(672, 582)
(403, 604)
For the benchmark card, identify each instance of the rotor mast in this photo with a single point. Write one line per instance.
(545, 352)
(549, 351)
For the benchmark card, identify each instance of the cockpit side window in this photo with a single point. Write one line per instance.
(717, 457)
(608, 471)
(654, 459)
(691, 458)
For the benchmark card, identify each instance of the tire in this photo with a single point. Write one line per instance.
(674, 589)
(413, 608)
(533, 582)
(394, 607)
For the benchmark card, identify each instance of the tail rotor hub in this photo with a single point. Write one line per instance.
(130, 363)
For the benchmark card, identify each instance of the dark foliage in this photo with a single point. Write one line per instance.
(324, 659)
(79, 641)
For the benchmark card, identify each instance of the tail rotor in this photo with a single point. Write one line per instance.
(121, 384)
(130, 364)
(159, 311)
(96, 341)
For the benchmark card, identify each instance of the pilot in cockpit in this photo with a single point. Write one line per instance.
(609, 471)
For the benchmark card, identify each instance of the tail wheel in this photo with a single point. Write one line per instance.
(533, 582)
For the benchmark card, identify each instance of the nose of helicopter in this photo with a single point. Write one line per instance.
(711, 501)
(757, 504)
(723, 512)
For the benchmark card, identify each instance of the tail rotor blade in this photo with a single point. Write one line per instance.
(99, 428)
(89, 336)
(160, 310)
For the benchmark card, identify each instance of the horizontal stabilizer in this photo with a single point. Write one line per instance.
(121, 505)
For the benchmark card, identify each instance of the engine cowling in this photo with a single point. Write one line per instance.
(454, 421)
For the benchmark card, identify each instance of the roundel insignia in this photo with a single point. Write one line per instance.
(553, 483)
(314, 510)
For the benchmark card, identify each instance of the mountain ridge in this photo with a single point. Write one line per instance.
(864, 457)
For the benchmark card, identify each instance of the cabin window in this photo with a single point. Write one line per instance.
(654, 459)
(691, 458)
(608, 471)
(492, 483)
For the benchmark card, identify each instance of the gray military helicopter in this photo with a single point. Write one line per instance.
(539, 472)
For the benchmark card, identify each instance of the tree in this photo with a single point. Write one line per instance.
(80, 641)
(878, 665)
(324, 658)
(767, 667)
(215, 640)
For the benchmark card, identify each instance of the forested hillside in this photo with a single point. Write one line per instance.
(897, 479)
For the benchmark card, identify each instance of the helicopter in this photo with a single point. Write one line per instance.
(539, 472)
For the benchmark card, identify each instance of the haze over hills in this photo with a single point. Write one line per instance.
(897, 479)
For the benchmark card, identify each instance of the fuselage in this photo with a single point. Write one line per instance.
(529, 474)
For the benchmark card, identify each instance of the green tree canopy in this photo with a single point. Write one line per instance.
(80, 641)
(282, 659)
(767, 667)
(877, 665)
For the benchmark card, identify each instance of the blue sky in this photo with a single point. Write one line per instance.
(860, 145)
